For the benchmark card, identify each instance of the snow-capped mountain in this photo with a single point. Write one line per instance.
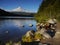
(19, 9)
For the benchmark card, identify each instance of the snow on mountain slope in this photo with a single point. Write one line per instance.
(19, 9)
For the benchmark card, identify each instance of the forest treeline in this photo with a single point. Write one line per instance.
(48, 9)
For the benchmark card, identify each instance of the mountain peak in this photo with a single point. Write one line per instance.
(18, 9)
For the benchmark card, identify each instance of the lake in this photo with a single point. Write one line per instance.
(13, 29)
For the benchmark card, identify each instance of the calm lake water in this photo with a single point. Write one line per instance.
(11, 29)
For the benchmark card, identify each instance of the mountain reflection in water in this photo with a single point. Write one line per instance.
(12, 29)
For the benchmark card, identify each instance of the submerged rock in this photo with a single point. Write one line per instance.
(30, 25)
(6, 31)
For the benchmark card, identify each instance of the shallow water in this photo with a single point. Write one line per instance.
(11, 29)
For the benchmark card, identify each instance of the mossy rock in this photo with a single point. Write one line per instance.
(27, 39)
(38, 36)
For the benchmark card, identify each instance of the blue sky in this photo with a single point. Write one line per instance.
(31, 5)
